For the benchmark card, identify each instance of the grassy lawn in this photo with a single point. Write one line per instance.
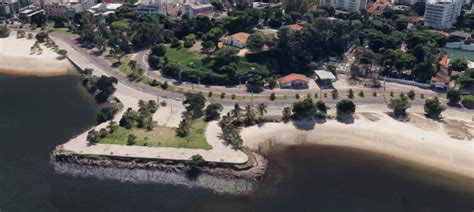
(63, 31)
(192, 61)
(123, 67)
(183, 56)
(162, 136)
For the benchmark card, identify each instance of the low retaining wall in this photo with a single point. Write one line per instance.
(220, 178)
(459, 45)
(407, 82)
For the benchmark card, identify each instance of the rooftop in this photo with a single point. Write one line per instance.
(325, 75)
(293, 77)
(241, 36)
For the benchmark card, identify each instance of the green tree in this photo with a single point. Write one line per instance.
(194, 102)
(62, 52)
(41, 36)
(459, 64)
(423, 72)
(112, 126)
(93, 137)
(351, 94)
(159, 50)
(132, 139)
(322, 108)
(468, 101)
(345, 107)
(399, 106)
(183, 129)
(304, 109)
(4, 32)
(208, 46)
(286, 113)
(197, 161)
(433, 107)
(262, 110)
(213, 111)
(249, 115)
(256, 41)
(454, 96)
(411, 94)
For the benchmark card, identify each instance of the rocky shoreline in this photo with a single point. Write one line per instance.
(220, 178)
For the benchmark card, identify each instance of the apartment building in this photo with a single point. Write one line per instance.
(173, 8)
(351, 5)
(193, 10)
(66, 8)
(328, 3)
(8, 8)
(442, 14)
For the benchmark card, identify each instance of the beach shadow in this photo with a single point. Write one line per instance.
(345, 119)
(320, 119)
(400, 118)
(304, 124)
(455, 105)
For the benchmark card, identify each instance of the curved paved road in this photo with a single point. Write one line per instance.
(102, 64)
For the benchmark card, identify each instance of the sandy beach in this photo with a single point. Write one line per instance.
(15, 58)
(446, 145)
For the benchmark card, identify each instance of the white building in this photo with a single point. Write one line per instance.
(171, 7)
(328, 3)
(407, 2)
(66, 8)
(104, 8)
(351, 5)
(194, 9)
(442, 14)
(238, 40)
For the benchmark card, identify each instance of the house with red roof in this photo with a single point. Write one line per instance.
(294, 81)
(378, 7)
(238, 40)
(439, 83)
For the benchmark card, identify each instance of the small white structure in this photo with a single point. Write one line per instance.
(104, 8)
(324, 77)
(193, 10)
(238, 40)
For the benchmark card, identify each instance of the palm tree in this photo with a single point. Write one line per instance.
(262, 110)
(132, 64)
(249, 115)
(286, 114)
(236, 112)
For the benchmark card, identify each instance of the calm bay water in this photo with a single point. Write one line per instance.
(39, 113)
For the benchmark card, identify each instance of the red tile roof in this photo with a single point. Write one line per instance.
(242, 37)
(296, 27)
(443, 61)
(439, 79)
(293, 77)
